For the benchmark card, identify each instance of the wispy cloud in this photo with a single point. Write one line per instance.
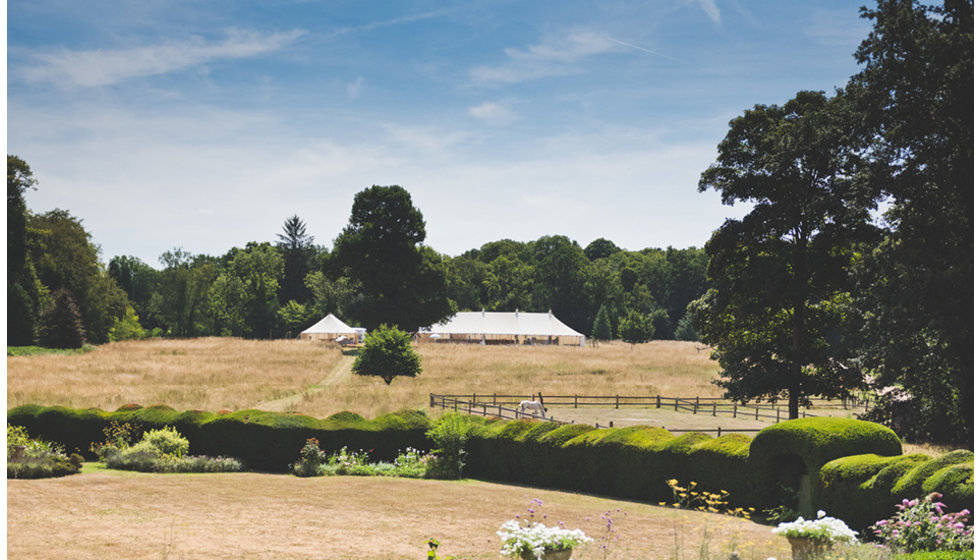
(553, 56)
(493, 112)
(95, 68)
(711, 10)
(388, 22)
(354, 88)
(648, 51)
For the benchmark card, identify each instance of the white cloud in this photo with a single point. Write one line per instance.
(101, 67)
(553, 56)
(354, 88)
(711, 9)
(492, 112)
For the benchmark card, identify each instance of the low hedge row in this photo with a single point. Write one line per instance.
(636, 462)
(855, 470)
(264, 441)
(862, 489)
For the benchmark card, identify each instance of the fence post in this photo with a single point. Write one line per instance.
(610, 423)
(714, 409)
(495, 398)
(455, 405)
(777, 415)
(432, 400)
(735, 410)
(697, 403)
(676, 401)
(658, 401)
(719, 431)
(845, 402)
(617, 401)
(576, 401)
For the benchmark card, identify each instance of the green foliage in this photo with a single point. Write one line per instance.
(29, 457)
(685, 329)
(401, 282)
(915, 288)
(923, 525)
(297, 251)
(139, 280)
(602, 327)
(264, 441)
(127, 328)
(61, 327)
(779, 288)
(636, 328)
(40, 350)
(449, 434)
(388, 353)
(22, 317)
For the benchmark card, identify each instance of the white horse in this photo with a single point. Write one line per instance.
(534, 406)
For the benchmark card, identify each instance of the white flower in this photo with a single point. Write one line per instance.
(537, 538)
(823, 527)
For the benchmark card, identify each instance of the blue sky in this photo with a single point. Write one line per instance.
(205, 124)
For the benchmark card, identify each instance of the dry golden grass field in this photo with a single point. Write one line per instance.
(116, 514)
(314, 378)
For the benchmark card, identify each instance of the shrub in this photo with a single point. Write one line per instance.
(311, 457)
(780, 454)
(450, 434)
(162, 450)
(922, 525)
(35, 458)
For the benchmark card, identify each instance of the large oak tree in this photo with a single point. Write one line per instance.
(775, 312)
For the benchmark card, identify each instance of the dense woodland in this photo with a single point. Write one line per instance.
(267, 290)
(852, 271)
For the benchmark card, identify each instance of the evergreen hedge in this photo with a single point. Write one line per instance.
(264, 441)
(856, 470)
(862, 489)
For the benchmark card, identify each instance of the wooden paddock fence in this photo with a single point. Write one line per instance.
(506, 406)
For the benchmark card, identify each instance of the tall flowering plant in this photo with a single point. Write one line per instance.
(922, 525)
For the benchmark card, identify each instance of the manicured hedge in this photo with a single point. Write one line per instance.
(265, 441)
(633, 462)
(855, 468)
(862, 489)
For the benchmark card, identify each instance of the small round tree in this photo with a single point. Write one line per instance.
(387, 353)
(636, 328)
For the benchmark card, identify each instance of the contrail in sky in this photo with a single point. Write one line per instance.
(632, 46)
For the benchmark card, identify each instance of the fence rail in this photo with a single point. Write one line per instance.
(716, 406)
(497, 406)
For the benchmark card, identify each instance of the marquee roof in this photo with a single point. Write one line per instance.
(503, 323)
(329, 325)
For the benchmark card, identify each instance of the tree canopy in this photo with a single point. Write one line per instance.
(774, 312)
(387, 354)
(399, 281)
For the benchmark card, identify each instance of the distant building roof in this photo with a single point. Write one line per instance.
(502, 323)
(329, 325)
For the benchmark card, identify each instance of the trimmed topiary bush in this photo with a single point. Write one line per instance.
(787, 456)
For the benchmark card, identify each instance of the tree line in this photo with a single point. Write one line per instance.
(378, 271)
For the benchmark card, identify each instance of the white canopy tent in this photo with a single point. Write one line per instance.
(330, 328)
(502, 327)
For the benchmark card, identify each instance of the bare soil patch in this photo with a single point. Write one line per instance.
(113, 514)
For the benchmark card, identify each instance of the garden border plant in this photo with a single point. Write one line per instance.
(29, 457)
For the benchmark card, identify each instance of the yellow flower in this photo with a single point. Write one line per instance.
(672, 482)
(693, 484)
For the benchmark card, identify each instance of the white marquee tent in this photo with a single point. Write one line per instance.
(330, 328)
(502, 327)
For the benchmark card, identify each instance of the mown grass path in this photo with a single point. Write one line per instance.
(341, 369)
